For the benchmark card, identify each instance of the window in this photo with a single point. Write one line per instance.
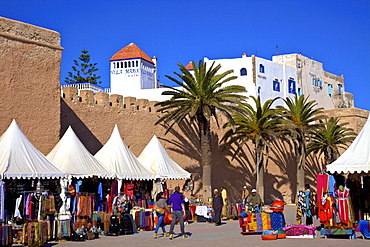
(137, 64)
(121, 64)
(300, 91)
(276, 85)
(314, 82)
(291, 85)
(259, 90)
(340, 89)
(243, 71)
(320, 83)
(125, 64)
(129, 64)
(262, 68)
(115, 65)
(330, 89)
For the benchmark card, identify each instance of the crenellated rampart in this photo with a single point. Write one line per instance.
(102, 99)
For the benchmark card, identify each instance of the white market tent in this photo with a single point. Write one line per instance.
(155, 157)
(71, 156)
(357, 157)
(20, 159)
(117, 157)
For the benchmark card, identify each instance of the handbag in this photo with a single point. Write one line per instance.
(158, 210)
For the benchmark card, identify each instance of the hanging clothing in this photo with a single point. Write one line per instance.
(326, 210)
(2, 200)
(17, 212)
(343, 209)
(301, 205)
(157, 187)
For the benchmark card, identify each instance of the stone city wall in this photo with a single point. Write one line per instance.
(30, 59)
(93, 117)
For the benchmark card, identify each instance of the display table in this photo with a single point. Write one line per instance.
(350, 233)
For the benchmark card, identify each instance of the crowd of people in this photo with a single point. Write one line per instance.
(180, 208)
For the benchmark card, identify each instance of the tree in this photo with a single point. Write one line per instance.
(300, 117)
(83, 70)
(329, 137)
(260, 124)
(199, 96)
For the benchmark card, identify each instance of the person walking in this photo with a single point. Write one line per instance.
(217, 203)
(224, 199)
(162, 204)
(178, 211)
(245, 194)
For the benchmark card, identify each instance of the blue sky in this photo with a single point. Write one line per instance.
(336, 33)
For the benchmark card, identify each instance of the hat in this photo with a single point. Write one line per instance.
(244, 187)
(216, 190)
(254, 190)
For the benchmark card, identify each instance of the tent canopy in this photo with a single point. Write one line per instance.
(20, 159)
(155, 157)
(71, 156)
(117, 157)
(357, 157)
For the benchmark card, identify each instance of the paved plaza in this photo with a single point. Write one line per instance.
(203, 234)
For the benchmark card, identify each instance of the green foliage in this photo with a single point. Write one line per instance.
(329, 137)
(83, 70)
(200, 95)
(259, 123)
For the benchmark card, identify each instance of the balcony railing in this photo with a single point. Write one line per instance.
(87, 86)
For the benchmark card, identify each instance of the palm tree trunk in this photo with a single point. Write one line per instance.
(301, 164)
(260, 173)
(206, 155)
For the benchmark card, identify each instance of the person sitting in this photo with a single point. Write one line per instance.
(254, 201)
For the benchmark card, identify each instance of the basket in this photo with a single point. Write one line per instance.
(281, 234)
(269, 235)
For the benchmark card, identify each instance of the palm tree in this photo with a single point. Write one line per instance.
(199, 96)
(329, 137)
(259, 124)
(299, 117)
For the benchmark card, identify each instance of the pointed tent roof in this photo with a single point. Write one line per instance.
(20, 159)
(117, 157)
(357, 157)
(155, 157)
(131, 51)
(72, 157)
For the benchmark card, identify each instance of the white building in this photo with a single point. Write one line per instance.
(134, 74)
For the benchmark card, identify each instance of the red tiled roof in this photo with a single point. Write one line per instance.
(189, 66)
(131, 51)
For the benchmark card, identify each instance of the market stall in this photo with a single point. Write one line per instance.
(86, 176)
(353, 168)
(24, 171)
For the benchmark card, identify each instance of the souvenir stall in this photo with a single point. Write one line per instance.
(155, 158)
(352, 170)
(83, 191)
(133, 182)
(334, 207)
(29, 185)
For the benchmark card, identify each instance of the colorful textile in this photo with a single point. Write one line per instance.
(326, 210)
(342, 203)
(298, 230)
(364, 227)
(277, 220)
(322, 185)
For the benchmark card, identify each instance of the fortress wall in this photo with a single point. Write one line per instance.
(30, 59)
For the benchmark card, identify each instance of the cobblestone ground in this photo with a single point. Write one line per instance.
(204, 234)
